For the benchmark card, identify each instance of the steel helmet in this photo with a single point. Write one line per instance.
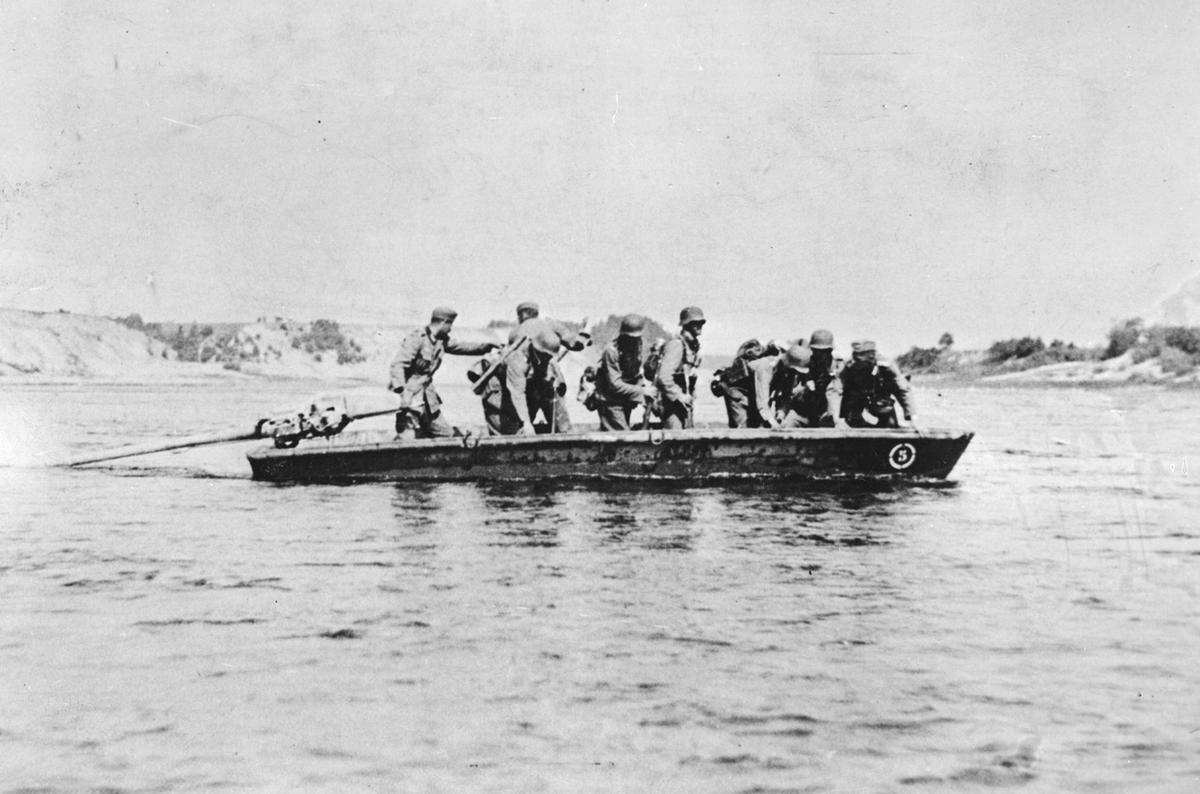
(797, 357)
(443, 314)
(691, 314)
(632, 325)
(821, 340)
(546, 341)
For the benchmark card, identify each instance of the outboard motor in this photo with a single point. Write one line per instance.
(325, 417)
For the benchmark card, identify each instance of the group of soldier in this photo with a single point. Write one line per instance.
(779, 385)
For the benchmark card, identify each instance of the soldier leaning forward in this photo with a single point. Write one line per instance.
(420, 414)
(736, 384)
(870, 386)
(533, 382)
(818, 403)
(492, 395)
(618, 381)
(676, 377)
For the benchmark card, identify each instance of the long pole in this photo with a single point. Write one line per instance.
(187, 442)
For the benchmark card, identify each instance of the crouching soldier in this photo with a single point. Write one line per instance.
(816, 396)
(533, 382)
(744, 385)
(676, 378)
(618, 385)
(492, 394)
(873, 386)
(420, 414)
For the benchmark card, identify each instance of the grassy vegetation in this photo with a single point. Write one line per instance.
(227, 344)
(1177, 347)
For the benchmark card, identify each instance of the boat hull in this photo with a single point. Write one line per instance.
(691, 455)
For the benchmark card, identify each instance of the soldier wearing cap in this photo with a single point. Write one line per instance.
(871, 386)
(533, 383)
(676, 378)
(619, 386)
(420, 414)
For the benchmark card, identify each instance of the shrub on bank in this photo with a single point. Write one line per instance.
(1176, 346)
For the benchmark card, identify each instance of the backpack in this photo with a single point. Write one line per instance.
(738, 373)
(653, 360)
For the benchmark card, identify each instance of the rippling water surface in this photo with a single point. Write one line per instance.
(167, 624)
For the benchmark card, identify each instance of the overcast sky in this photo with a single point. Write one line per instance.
(891, 170)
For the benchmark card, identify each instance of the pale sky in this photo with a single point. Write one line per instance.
(887, 170)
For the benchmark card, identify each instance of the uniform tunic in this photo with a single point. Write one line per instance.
(618, 386)
(676, 378)
(533, 383)
(811, 399)
(412, 372)
(872, 389)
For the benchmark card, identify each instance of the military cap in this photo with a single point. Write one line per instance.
(545, 340)
(821, 339)
(528, 307)
(632, 325)
(691, 314)
(443, 314)
(863, 346)
(797, 357)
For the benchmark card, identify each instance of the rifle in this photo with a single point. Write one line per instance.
(490, 372)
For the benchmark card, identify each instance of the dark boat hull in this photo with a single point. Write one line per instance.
(693, 455)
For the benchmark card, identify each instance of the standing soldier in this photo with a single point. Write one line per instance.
(871, 385)
(420, 414)
(533, 382)
(619, 386)
(676, 378)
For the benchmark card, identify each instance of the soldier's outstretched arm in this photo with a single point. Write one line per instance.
(457, 348)
(763, 369)
(902, 391)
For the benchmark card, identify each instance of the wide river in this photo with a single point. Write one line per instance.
(168, 624)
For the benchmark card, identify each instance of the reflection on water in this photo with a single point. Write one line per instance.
(1031, 624)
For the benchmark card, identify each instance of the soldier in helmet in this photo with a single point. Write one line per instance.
(619, 385)
(873, 386)
(533, 383)
(818, 403)
(676, 378)
(529, 312)
(420, 414)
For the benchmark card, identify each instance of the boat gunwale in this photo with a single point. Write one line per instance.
(652, 436)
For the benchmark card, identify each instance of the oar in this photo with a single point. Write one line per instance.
(186, 442)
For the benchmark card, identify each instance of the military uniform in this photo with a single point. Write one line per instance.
(533, 382)
(748, 391)
(871, 386)
(676, 377)
(812, 397)
(412, 371)
(619, 376)
(492, 395)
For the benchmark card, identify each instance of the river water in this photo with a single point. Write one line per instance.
(167, 624)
